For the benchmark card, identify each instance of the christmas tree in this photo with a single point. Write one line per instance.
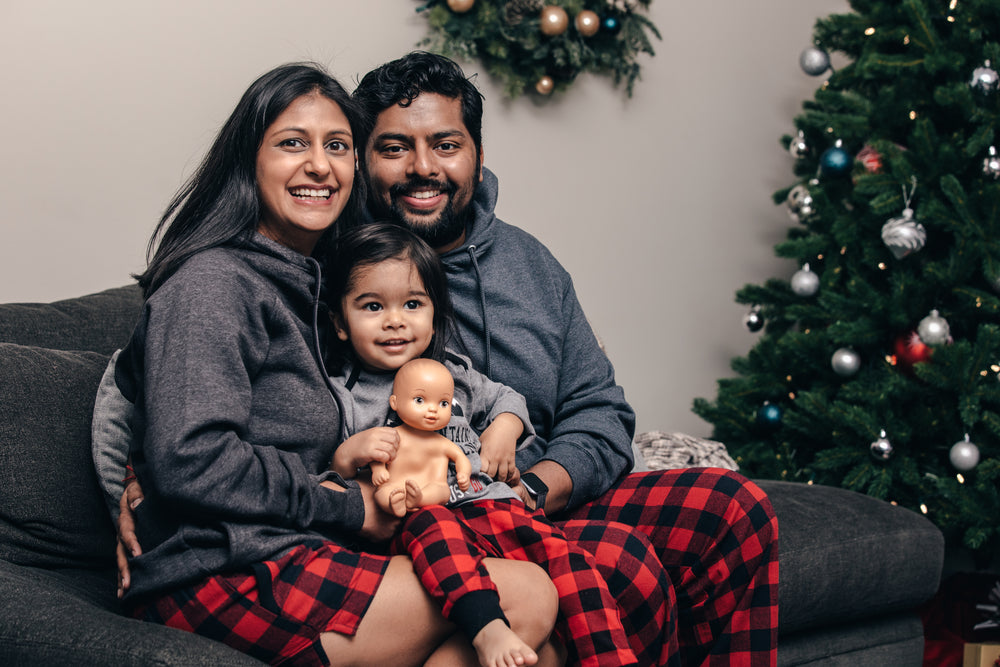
(878, 368)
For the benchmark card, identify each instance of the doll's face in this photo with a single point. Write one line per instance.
(422, 395)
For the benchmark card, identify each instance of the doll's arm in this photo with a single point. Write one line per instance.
(463, 467)
(380, 473)
(499, 443)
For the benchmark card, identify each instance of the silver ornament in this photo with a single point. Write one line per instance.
(964, 455)
(800, 203)
(805, 282)
(753, 320)
(985, 79)
(798, 148)
(845, 362)
(881, 449)
(814, 61)
(991, 164)
(904, 236)
(934, 329)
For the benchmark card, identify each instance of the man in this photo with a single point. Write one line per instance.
(519, 320)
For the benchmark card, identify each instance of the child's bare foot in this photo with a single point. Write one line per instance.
(397, 501)
(498, 646)
(414, 496)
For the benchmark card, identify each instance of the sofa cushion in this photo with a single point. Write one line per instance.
(51, 510)
(100, 322)
(844, 556)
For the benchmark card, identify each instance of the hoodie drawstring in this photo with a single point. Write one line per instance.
(482, 305)
(319, 347)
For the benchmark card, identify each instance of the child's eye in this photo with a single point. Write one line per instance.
(372, 307)
(413, 304)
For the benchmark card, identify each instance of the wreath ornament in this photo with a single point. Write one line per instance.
(542, 45)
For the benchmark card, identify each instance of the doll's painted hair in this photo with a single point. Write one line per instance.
(372, 243)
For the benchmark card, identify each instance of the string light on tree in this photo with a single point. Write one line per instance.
(545, 85)
(460, 6)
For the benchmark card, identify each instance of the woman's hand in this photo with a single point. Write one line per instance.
(379, 526)
(128, 543)
(499, 444)
(373, 444)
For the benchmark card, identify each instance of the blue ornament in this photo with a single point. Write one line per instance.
(769, 415)
(611, 24)
(835, 161)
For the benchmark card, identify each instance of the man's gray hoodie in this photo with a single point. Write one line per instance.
(520, 322)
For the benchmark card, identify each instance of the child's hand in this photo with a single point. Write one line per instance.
(499, 442)
(375, 444)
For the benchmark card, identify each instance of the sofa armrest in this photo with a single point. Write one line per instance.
(64, 617)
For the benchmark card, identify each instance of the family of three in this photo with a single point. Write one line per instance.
(326, 240)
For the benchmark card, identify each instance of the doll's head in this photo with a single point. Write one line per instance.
(389, 297)
(422, 394)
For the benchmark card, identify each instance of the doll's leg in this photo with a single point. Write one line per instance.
(391, 497)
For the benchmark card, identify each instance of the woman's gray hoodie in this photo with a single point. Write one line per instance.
(234, 417)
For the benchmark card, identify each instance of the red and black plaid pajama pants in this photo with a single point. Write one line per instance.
(447, 546)
(716, 536)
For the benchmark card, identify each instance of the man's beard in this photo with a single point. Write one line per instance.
(450, 224)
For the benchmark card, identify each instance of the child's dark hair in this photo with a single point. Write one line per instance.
(376, 242)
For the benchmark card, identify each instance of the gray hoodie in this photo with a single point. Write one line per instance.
(520, 322)
(234, 417)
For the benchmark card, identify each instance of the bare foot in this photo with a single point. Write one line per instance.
(414, 496)
(397, 501)
(498, 646)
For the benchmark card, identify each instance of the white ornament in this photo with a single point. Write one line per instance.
(805, 282)
(814, 61)
(985, 79)
(845, 362)
(797, 147)
(934, 329)
(991, 164)
(964, 455)
(904, 236)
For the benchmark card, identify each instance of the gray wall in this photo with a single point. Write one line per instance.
(659, 205)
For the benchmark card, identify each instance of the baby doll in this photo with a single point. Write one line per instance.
(421, 396)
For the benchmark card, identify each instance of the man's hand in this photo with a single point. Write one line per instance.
(128, 543)
(374, 444)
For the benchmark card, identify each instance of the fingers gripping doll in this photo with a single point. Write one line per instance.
(418, 475)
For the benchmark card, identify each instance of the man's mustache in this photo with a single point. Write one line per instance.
(399, 189)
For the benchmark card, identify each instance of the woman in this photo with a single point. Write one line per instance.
(245, 532)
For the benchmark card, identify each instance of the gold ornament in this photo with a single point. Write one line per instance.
(545, 85)
(555, 20)
(588, 23)
(460, 6)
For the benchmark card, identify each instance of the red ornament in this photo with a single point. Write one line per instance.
(911, 350)
(871, 159)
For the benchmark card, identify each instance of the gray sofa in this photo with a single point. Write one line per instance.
(853, 569)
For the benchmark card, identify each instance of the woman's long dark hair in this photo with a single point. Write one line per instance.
(376, 242)
(220, 204)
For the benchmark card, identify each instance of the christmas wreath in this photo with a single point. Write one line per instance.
(542, 45)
